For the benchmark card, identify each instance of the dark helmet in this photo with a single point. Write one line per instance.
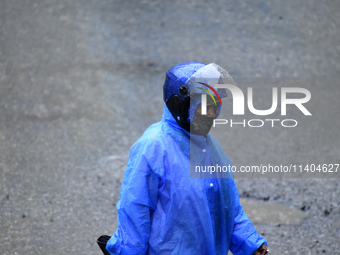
(176, 91)
(191, 84)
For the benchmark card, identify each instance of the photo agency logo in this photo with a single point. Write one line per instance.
(239, 105)
(204, 97)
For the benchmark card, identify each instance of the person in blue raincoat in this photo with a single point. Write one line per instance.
(166, 206)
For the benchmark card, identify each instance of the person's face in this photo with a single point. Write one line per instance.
(201, 124)
(211, 110)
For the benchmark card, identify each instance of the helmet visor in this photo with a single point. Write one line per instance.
(205, 82)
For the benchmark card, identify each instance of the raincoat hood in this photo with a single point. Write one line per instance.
(187, 85)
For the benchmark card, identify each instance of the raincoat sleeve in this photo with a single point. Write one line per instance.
(245, 239)
(138, 199)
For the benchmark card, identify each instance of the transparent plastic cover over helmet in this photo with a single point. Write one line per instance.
(203, 88)
(206, 80)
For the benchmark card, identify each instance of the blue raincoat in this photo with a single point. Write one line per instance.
(164, 211)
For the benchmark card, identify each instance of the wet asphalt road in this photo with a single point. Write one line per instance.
(81, 80)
